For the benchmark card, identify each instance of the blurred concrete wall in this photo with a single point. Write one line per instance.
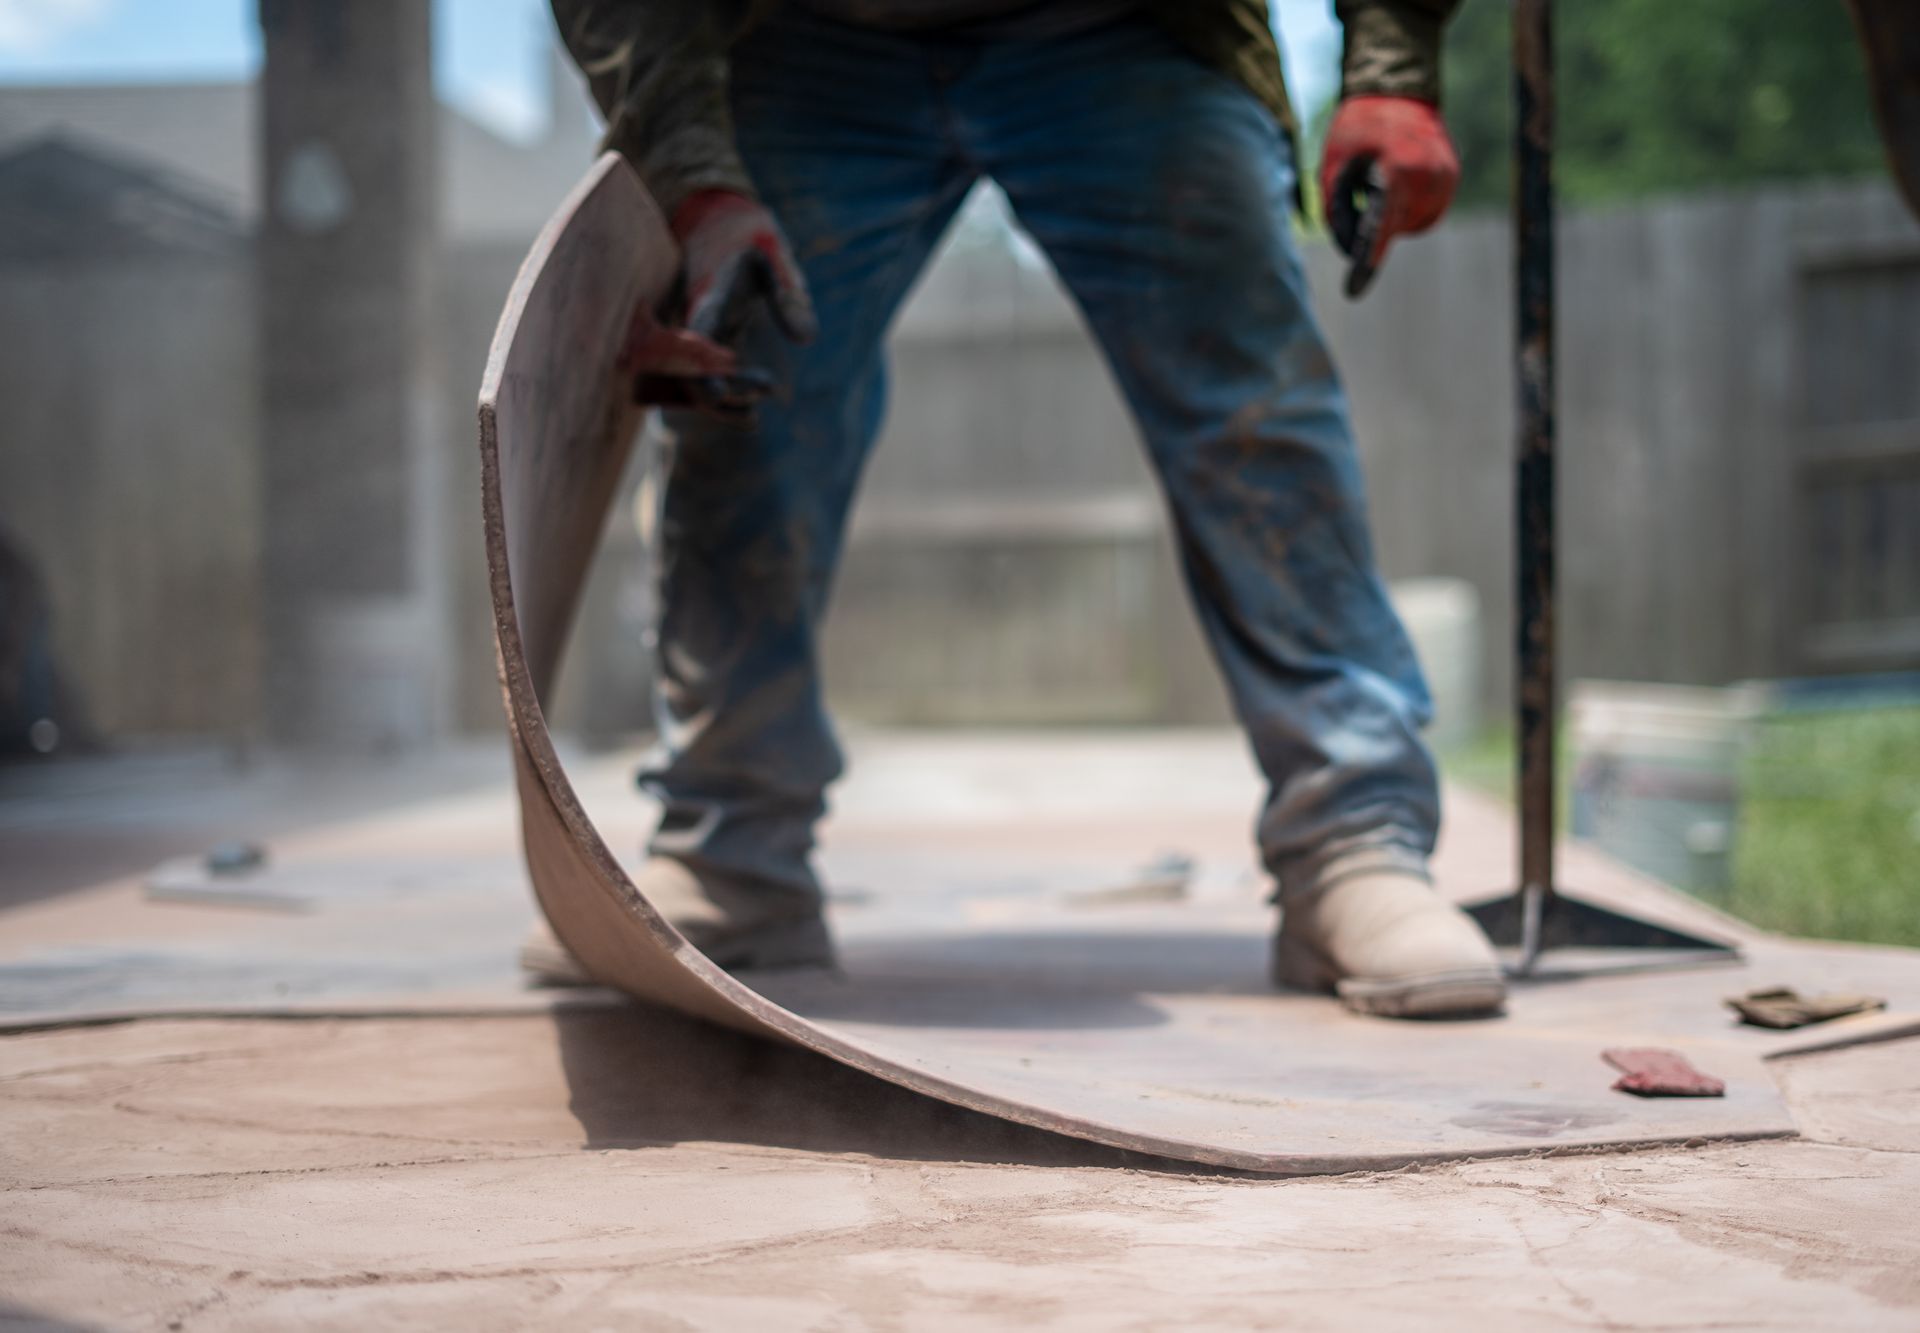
(354, 488)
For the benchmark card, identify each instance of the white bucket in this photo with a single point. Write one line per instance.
(1442, 617)
(1656, 772)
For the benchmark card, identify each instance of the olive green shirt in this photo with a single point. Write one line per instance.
(658, 69)
(994, 20)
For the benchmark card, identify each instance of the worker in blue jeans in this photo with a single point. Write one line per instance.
(810, 155)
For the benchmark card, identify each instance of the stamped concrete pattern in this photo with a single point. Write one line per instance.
(484, 1160)
(559, 1170)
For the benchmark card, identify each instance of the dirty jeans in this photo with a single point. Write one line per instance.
(1160, 190)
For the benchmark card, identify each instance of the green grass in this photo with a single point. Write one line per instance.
(1487, 763)
(1829, 826)
(1829, 842)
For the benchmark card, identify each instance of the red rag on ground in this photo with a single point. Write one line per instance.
(1650, 1071)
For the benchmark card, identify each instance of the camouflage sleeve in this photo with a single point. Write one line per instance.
(1393, 46)
(658, 70)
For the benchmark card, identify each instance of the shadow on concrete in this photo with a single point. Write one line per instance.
(20, 1319)
(1024, 980)
(642, 1077)
(902, 1000)
(73, 823)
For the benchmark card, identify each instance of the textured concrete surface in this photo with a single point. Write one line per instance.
(620, 1168)
(501, 1173)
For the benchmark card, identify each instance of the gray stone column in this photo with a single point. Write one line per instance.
(354, 589)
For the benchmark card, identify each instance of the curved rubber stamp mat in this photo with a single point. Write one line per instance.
(1144, 1025)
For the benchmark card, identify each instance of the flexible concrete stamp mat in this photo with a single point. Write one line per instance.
(988, 961)
(984, 951)
(1151, 1032)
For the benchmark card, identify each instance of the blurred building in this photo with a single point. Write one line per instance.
(205, 134)
(131, 472)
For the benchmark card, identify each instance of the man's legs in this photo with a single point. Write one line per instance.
(841, 133)
(1162, 192)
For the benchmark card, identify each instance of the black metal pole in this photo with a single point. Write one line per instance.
(1534, 686)
(1538, 914)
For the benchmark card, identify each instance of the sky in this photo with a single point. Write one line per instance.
(490, 56)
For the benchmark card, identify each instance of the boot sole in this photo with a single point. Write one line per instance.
(1467, 993)
(547, 963)
(780, 947)
(1437, 995)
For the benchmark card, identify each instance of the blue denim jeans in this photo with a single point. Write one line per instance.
(1160, 190)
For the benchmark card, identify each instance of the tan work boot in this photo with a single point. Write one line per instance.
(738, 929)
(1386, 943)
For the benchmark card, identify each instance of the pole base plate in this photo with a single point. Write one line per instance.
(1585, 938)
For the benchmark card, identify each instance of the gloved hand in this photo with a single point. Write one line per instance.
(735, 266)
(1400, 146)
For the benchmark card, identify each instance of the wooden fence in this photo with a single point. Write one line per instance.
(1740, 475)
(1740, 478)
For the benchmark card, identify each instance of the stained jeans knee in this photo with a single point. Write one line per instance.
(844, 146)
(1171, 225)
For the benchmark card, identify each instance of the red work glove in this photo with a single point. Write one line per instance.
(1404, 144)
(735, 265)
